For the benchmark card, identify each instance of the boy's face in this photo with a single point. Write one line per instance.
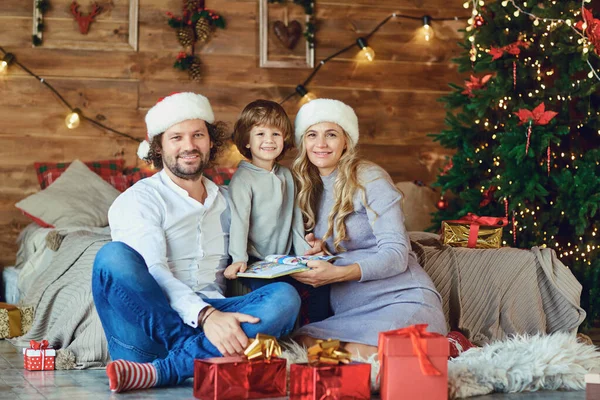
(266, 144)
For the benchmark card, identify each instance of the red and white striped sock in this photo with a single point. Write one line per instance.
(126, 375)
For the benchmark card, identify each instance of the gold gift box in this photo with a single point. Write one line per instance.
(15, 321)
(457, 235)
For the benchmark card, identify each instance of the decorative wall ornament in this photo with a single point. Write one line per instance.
(196, 25)
(280, 31)
(40, 7)
(84, 21)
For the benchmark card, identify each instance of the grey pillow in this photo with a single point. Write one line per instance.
(78, 197)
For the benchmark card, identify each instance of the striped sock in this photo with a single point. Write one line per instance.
(126, 375)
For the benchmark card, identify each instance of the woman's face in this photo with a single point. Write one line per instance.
(325, 143)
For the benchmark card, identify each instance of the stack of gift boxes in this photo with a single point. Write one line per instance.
(413, 365)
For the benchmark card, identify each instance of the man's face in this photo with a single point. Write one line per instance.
(186, 149)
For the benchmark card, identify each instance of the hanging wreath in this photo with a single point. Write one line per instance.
(196, 25)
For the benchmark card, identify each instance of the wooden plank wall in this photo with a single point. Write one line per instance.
(394, 97)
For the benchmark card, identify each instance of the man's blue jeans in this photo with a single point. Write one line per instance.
(141, 326)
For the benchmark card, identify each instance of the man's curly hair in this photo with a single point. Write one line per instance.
(218, 136)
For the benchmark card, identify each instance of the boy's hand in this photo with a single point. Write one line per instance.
(232, 270)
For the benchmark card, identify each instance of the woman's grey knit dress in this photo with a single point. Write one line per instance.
(394, 291)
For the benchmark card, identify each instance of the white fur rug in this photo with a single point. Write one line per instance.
(519, 364)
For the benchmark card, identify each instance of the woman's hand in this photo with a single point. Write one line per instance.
(317, 246)
(324, 273)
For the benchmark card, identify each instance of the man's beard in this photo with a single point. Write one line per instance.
(188, 172)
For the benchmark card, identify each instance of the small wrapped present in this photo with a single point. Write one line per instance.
(260, 374)
(592, 386)
(329, 374)
(413, 364)
(39, 356)
(474, 232)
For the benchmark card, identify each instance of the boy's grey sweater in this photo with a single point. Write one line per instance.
(264, 219)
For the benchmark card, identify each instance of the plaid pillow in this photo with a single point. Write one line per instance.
(133, 175)
(219, 175)
(48, 172)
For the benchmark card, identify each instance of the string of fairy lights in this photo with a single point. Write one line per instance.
(75, 115)
(577, 250)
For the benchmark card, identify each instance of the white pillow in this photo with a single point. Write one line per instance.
(78, 197)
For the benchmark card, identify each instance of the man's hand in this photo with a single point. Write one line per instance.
(232, 270)
(317, 247)
(224, 331)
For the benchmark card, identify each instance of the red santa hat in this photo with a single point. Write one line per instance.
(326, 110)
(171, 110)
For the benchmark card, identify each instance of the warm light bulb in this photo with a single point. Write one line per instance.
(368, 53)
(427, 30)
(310, 96)
(72, 121)
(8, 58)
(365, 51)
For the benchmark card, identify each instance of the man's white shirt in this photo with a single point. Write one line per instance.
(183, 242)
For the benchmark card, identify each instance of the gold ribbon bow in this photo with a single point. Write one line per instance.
(263, 347)
(328, 352)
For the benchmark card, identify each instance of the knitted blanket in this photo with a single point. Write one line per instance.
(490, 294)
(64, 308)
(487, 294)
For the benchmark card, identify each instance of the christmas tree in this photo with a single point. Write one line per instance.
(525, 128)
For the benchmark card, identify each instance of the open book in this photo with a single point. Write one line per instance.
(276, 265)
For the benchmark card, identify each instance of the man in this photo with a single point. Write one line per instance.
(158, 287)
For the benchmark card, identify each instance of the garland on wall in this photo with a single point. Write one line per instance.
(75, 114)
(196, 25)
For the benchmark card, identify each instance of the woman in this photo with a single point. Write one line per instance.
(377, 284)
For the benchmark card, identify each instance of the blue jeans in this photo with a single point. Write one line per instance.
(315, 304)
(141, 326)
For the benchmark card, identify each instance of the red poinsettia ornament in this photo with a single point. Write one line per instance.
(592, 29)
(488, 196)
(513, 48)
(475, 84)
(538, 116)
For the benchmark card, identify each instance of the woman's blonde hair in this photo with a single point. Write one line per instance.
(309, 187)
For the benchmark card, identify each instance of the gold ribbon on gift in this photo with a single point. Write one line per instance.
(14, 320)
(328, 352)
(263, 347)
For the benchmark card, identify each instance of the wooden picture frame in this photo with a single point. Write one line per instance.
(130, 45)
(268, 45)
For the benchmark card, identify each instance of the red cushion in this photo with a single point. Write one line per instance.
(219, 175)
(135, 174)
(48, 172)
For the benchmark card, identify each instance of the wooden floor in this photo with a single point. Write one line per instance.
(17, 383)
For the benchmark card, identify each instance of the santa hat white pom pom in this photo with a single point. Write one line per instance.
(143, 150)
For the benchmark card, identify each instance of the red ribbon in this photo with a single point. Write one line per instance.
(41, 346)
(417, 334)
(474, 221)
(38, 345)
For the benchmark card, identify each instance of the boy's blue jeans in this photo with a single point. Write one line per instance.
(141, 326)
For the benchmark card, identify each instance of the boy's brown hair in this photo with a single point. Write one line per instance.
(262, 112)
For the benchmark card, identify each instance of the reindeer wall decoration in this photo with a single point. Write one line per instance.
(85, 20)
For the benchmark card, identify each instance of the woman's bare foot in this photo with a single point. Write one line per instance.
(360, 350)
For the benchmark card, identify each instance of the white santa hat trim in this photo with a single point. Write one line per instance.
(172, 110)
(326, 110)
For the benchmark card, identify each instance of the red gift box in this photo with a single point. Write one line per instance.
(413, 364)
(39, 356)
(343, 381)
(236, 378)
